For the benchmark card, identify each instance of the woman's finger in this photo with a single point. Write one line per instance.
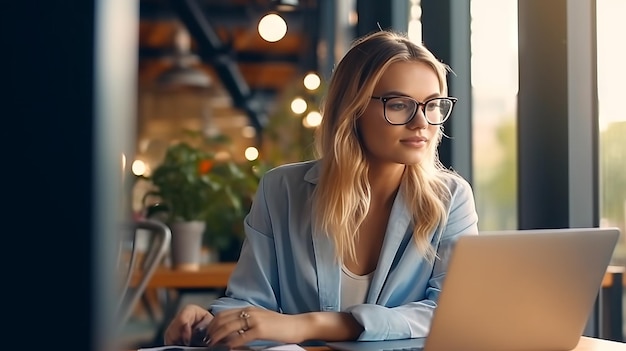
(181, 328)
(231, 326)
(177, 333)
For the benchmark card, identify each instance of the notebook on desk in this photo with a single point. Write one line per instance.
(514, 290)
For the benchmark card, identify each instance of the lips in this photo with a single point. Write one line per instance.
(415, 142)
(415, 139)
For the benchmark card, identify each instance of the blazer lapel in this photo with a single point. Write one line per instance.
(399, 221)
(328, 270)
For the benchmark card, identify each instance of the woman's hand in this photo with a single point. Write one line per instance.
(237, 327)
(180, 329)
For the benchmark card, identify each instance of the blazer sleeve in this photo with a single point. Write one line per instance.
(254, 281)
(412, 320)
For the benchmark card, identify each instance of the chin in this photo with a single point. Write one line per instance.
(412, 161)
(413, 158)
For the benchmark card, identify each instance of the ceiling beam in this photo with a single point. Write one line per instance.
(211, 49)
(241, 56)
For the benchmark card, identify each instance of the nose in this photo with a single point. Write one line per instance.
(419, 120)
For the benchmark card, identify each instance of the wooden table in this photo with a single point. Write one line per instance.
(209, 276)
(215, 275)
(613, 272)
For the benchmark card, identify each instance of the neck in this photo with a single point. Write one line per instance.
(385, 181)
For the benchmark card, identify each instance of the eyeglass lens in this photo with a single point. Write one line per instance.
(400, 110)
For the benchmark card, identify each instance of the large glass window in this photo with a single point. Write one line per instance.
(494, 89)
(612, 118)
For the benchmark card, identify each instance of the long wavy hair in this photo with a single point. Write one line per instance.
(342, 197)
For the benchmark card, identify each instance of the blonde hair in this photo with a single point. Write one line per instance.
(342, 197)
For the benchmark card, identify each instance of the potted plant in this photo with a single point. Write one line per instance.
(199, 191)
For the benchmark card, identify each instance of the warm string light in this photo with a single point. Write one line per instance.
(298, 105)
(312, 119)
(415, 22)
(139, 167)
(272, 27)
(251, 153)
(312, 81)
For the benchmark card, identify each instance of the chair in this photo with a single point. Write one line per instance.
(136, 265)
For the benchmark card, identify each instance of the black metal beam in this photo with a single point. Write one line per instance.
(241, 56)
(211, 49)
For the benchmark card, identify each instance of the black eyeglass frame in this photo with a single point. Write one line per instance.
(384, 100)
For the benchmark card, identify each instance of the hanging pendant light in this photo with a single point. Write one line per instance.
(285, 5)
(183, 72)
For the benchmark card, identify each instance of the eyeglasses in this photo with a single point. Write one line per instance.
(399, 110)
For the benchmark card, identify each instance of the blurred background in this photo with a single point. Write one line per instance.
(205, 66)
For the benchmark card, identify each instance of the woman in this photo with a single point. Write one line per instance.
(353, 245)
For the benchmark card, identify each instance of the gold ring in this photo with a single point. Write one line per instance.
(241, 331)
(244, 315)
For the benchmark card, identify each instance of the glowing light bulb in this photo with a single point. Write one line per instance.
(298, 105)
(312, 119)
(138, 167)
(272, 27)
(251, 153)
(312, 81)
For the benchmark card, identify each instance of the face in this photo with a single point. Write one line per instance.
(400, 144)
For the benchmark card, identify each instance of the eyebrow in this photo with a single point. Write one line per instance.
(399, 93)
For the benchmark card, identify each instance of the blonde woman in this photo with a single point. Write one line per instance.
(353, 245)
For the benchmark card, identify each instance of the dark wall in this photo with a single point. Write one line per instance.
(48, 171)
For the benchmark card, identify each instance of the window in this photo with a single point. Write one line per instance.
(612, 118)
(494, 90)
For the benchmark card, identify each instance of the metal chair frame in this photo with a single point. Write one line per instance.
(159, 242)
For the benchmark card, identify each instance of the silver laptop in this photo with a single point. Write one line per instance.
(514, 290)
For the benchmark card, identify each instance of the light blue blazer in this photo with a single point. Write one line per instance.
(284, 266)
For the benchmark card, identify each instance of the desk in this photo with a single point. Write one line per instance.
(593, 344)
(585, 344)
(209, 276)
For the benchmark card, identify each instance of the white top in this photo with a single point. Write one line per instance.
(353, 287)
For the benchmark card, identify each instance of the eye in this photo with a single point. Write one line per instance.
(400, 104)
(433, 105)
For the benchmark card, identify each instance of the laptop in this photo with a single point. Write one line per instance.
(514, 290)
